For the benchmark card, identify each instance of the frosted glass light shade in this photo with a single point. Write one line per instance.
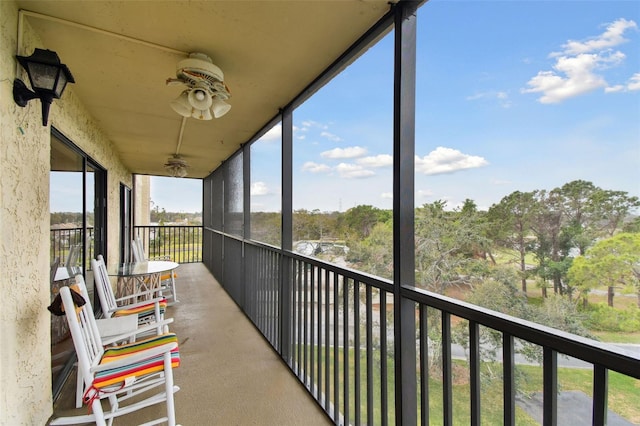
(200, 99)
(220, 108)
(181, 104)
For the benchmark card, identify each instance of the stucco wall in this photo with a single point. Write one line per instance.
(25, 354)
(142, 207)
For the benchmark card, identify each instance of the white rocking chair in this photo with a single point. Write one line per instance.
(167, 281)
(151, 310)
(123, 373)
(117, 330)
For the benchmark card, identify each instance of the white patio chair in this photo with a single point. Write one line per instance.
(71, 262)
(116, 330)
(123, 374)
(147, 311)
(167, 281)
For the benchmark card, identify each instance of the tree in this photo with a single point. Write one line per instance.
(360, 220)
(374, 254)
(551, 242)
(313, 225)
(499, 293)
(265, 227)
(510, 226)
(578, 208)
(443, 240)
(611, 262)
(611, 208)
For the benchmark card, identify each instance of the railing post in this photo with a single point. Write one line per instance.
(508, 381)
(600, 394)
(550, 387)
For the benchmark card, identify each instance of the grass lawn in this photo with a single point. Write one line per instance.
(617, 337)
(624, 392)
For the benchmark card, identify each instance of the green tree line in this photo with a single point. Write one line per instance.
(538, 234)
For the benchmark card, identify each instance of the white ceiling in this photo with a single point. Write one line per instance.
(121, 53)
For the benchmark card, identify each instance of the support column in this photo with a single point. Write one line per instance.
(403, 210)
(286, 293)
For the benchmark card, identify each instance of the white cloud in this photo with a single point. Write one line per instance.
(634, 82)
(330, 136)
(501, 97)
(447, 160)
(613, 36)
(350, 152)
(351, 171)
(578, 66)
(312, 167)
(614, 89)
(259, 188)
(387, 195)
(424, 193)
(382, 160)
(273, 134)
(574, 76)
(500, 182)
(310, 123)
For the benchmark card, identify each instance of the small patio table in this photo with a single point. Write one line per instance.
(136, 277)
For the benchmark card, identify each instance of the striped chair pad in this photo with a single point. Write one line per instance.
(143, 311)
(147, 366)
(168, 276)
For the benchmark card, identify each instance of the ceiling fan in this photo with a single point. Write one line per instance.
(176, 166)
(205, 93)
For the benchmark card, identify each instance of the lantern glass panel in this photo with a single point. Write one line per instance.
(43, 76)
(60, 85)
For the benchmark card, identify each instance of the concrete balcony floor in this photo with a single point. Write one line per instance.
(229, 375)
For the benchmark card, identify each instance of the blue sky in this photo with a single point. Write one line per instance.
(511, 96)
(176, 194)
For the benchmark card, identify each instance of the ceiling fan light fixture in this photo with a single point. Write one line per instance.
(181, 104)
(176, 166)
(205, 91)
(220, 108)
(200, 98)
(202, 114)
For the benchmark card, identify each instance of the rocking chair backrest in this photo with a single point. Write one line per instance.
(138, 250)
(103, 286)
(84, 330)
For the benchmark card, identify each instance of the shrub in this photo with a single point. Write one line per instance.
(602, 317)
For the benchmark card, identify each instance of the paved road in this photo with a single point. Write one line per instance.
(574, 408)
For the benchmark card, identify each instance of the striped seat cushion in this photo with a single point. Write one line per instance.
(168, 276)
(143, 311)
(155, 364)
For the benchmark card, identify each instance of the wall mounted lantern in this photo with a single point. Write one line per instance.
(48, 79)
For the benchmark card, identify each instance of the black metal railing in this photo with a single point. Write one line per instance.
(182, 244)
(334, 328)
(63, 239)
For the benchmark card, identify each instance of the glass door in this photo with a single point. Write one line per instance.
(77, 212)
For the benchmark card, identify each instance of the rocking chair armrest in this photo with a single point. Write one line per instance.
(131, 333)
(137, 295)
(155, 300)
(136, 357)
